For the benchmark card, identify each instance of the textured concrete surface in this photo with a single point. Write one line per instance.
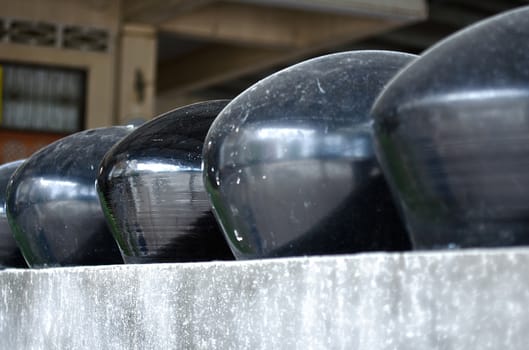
(455, 300)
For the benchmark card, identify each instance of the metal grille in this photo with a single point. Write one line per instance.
(32, 33)
(42, 98)
(86, 39)
(55, 35)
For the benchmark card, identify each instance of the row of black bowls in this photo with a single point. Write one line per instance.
(298, 164)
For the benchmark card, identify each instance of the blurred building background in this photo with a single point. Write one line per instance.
(68, 65)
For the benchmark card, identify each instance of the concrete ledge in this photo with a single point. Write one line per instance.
(473, 299)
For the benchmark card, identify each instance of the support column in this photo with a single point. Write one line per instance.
(137, 75)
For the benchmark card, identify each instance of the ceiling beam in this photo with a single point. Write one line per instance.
(154, 12)
(212, 64)
(220, 62)
(406, 9)
(246, 38)
(245, 24)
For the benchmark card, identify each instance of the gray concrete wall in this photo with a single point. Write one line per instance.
(454, 300)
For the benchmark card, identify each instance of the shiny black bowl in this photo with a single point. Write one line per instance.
(289, 164)
(452, 134)
(10, 255)
(151, 189)
(52, 204)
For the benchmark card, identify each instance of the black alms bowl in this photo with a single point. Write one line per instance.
(10, 255)
(452, 135)
(52, 204)
(289, 164)
(151, 189)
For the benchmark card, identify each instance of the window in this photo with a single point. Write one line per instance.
(41, 98)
